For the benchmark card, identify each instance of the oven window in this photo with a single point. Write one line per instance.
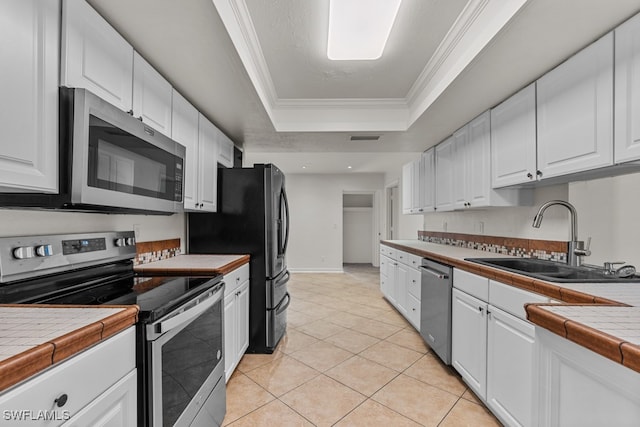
(187, 360)
(122, 162)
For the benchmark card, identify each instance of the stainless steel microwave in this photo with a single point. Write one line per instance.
(110, 161)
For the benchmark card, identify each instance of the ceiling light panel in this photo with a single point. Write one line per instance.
(359, 29)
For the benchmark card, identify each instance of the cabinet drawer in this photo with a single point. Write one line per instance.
(472, 284)
(414, 261)
(413, 311)
(388, 251)
(235, 278)
(413, 286)
(118, 353)
(512, 299)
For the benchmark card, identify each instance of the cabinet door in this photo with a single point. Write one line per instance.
(427, 181)
(444, 175)
(184, 130)
(94, 56)
(575, 112)
(151, 96)
(242, 329)
(513, 139)
(627, 91)
(469, 340)
(460, 167)
(230, 345)
(407, 188)
(29, 88)
(386, 270)
(116, 407)
(511, 346)
(225, 151)
(401, 289)
(477, 184)
(392, 280)
(207, 165)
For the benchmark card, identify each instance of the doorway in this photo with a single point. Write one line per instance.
(359, 227)
(392, 211)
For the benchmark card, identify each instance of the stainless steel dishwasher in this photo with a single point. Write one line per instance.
(435, 316)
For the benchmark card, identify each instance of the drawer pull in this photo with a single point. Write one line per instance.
(61, 401)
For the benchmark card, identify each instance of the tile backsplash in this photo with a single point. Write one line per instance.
(157, 250)
(526, 248)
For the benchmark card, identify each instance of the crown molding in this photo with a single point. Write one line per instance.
(478, 23)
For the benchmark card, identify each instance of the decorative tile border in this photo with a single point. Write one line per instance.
(147, 252)
(526, 248)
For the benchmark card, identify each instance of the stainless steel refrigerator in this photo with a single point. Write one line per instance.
(252, 218)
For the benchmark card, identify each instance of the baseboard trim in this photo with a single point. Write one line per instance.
(315, 270)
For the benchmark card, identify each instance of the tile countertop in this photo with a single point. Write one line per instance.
(603, 317)
(194, 265)
(35, 337)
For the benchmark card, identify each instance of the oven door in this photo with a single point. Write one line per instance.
(186, 363)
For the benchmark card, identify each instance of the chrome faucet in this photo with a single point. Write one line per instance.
(576, 248)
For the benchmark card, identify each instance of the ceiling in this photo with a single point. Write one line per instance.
(258, 69)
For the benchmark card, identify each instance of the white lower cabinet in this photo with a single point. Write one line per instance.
(577, 387)
(236, 318)
(400, 282)
(510, 352)
(75, 393)
(469, 340)
(493, 345)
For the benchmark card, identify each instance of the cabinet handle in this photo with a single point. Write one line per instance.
(539, 173)
(530, 175)
(61, 401)
(480, 309)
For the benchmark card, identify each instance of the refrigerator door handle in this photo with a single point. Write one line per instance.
(280, 309)
(283, 196)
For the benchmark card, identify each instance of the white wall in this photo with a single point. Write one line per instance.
(608, 211)
(34, 222)
(315, 203)
(508, 221)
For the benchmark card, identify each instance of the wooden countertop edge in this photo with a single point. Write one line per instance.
(26, 364)
(615, 349)
(178, 271)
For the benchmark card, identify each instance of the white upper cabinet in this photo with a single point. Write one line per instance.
(460, 172)
(29, 88)
(411, 187)
(575, 112)
(513, 139)
(225, 150)
(94, 55)
(627, 91)
(184, 130)
(207, 165)
(428, 180)
(151, 96)
(444, 153)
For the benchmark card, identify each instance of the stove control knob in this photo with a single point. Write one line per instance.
(131, 241)
(24, 252)
(44, 250)
(120, 242)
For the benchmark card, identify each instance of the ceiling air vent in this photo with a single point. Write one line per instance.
(364, 137)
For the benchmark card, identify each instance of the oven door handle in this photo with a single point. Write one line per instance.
(201, 305)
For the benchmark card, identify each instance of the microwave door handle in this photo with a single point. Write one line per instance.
(163, 326)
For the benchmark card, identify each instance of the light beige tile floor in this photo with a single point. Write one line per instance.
(348, 359)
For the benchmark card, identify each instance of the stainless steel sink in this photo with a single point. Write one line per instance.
(551, 271)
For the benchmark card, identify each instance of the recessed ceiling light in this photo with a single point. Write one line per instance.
(304, 167)
(349, 167)
(359, 29)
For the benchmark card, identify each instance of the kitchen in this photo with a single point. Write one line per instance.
(605, 206)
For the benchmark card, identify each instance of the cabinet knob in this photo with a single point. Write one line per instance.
(61, 400)
(539, 173)
(480, 309)
(530, 175)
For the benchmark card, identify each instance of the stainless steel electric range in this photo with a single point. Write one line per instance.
(180, 329)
